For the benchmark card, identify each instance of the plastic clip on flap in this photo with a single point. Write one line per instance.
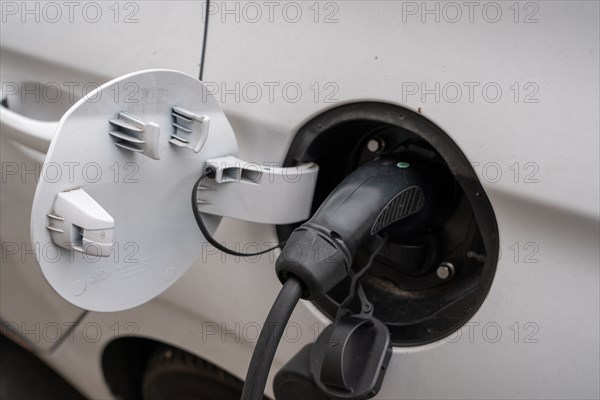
(133, 134)
(258, 193)
(79, 223)
(191, 130)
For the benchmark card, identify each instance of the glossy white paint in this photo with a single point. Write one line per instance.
(107, 39)
(545, 298)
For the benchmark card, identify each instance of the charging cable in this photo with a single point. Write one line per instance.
(210, 173)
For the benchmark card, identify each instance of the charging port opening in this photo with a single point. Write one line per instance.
(426, 286)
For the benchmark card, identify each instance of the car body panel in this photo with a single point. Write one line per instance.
(535, 150)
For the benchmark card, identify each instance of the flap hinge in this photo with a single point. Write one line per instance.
(264, 193)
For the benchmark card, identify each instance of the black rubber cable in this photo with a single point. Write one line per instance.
(268, 341)
(270, 335)
(206, 233)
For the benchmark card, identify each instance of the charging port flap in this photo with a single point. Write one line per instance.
(111, 215)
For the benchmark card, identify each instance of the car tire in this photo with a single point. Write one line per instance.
(173, 374)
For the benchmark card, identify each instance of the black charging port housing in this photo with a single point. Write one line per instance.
(426, 286)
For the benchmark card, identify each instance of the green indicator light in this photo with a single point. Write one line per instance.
(403, 165)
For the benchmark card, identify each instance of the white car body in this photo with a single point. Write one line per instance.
(525, 114)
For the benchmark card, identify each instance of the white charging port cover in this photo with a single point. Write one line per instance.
(112, 223)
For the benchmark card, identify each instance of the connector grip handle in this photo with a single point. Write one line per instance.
(373, 197)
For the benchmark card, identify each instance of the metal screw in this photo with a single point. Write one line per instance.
(445, 270)
(375, 145)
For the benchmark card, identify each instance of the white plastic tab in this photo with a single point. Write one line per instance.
(259, 193)
(133, 134)
(191, 130)
(78, 223)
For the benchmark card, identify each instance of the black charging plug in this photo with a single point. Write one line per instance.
(318, 256)
(384, 191)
